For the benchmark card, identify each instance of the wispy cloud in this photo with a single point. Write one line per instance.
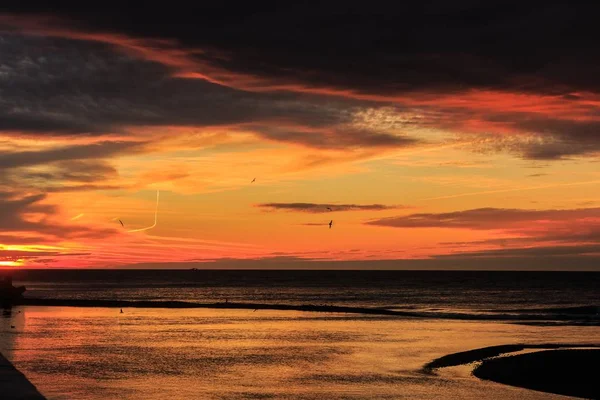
(316, 208)
(487, 218)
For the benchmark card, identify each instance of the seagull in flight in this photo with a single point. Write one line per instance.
(330, 223)
(253, 180)
(122, 223)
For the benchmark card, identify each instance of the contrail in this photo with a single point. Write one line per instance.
(77, 217)
(155, 217)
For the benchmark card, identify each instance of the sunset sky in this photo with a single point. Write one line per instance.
(441, 134)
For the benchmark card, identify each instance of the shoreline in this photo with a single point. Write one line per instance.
(587, 319)
(14, 385)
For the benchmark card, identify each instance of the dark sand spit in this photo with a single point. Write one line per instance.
(14, 385)
(585, 319)
(470, 356)
(566, 372)
(566, 369)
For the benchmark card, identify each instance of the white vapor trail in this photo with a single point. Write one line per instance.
(75, 218)
(155, 217)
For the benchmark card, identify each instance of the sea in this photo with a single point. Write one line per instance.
(172, 353)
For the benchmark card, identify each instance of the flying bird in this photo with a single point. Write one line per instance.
(253, 180)
(122, 223)
(330, 223)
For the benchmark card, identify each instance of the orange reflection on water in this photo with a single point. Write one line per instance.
(95, 353)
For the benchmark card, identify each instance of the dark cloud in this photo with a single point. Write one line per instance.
(102, 69)
(79, 188)
(22, 215)
(59, 86)
(553, 139)
(529, 252)
(316, 208)
(77, 152)
(547, 47)
(540, 263)
(486, 218)
(76, 171)
(60, 176)
(335, 138)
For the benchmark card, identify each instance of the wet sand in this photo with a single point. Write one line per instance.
(14, 385)
(565, 372)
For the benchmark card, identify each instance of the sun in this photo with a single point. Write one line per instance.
(15, 263)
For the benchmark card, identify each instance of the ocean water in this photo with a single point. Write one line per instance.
(99, 353)
(427, 290)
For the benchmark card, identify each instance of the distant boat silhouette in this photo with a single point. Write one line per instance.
(330, 223)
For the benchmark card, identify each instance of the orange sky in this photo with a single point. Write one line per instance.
(483, 173)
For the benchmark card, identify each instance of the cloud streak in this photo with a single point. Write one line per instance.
(317, 208)
(487, 218)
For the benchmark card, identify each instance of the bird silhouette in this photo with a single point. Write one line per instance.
(330, 223)
(253, 180)
(122, 223)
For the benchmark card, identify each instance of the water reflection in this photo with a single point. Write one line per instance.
(70, 352)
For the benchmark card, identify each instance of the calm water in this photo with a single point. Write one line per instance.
(398, 289)
(98, 353)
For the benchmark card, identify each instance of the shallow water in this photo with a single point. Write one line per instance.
(98, 353)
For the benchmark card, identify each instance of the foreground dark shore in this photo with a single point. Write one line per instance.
(14, 385)
(565, 372)
(559, 368)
